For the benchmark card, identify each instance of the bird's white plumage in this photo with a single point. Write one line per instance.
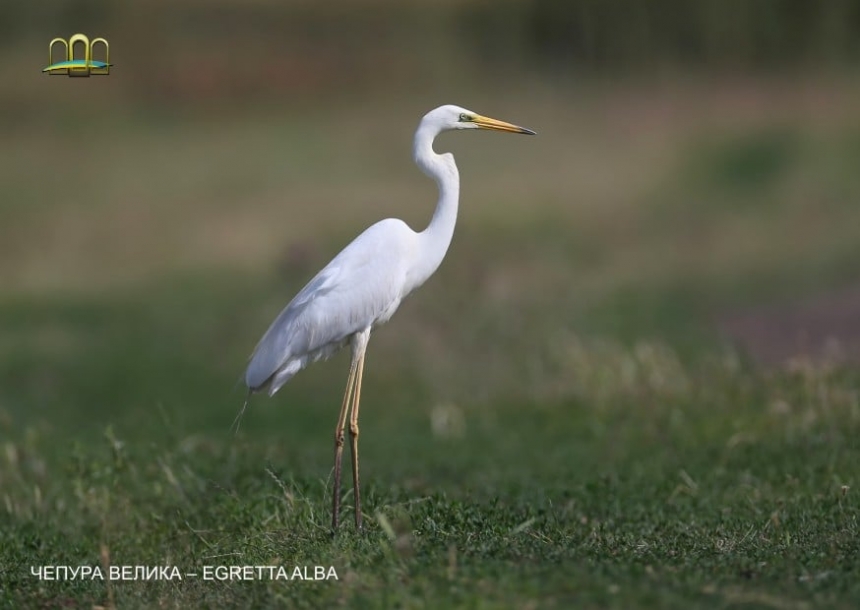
(360, 288)
(365, 283)
(363, 287)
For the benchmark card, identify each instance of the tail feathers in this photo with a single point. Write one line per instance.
(285, 373)
(273, 383)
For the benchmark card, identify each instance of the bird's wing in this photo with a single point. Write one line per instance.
(348, 295)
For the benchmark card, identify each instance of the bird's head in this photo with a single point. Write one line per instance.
(449, 117)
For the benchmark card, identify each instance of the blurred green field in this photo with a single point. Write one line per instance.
(554, 420)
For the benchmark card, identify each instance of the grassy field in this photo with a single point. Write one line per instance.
(554, 420)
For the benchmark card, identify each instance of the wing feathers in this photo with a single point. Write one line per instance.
(357, 288)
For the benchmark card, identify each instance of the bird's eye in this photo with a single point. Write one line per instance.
(465, 118)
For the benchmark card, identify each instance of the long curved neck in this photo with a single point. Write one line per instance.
(433, 241)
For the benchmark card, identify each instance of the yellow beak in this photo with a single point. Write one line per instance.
(485, 122)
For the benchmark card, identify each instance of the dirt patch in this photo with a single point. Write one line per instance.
(826, 326)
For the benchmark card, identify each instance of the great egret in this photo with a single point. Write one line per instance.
(362, 287)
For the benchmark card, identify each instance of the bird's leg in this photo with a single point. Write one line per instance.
(353, 438)
(338, 444)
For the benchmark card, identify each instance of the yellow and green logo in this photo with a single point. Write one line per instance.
(77, 58)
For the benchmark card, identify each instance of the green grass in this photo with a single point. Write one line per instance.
(553, 421)
(623, 477)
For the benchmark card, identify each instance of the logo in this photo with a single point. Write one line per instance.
(85, 64)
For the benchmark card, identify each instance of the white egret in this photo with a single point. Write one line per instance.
(362, 287)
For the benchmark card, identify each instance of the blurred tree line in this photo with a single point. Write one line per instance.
(190, 48)
(697, 33)
(590, 32)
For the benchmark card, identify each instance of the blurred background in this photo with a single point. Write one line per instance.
(691, 195)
